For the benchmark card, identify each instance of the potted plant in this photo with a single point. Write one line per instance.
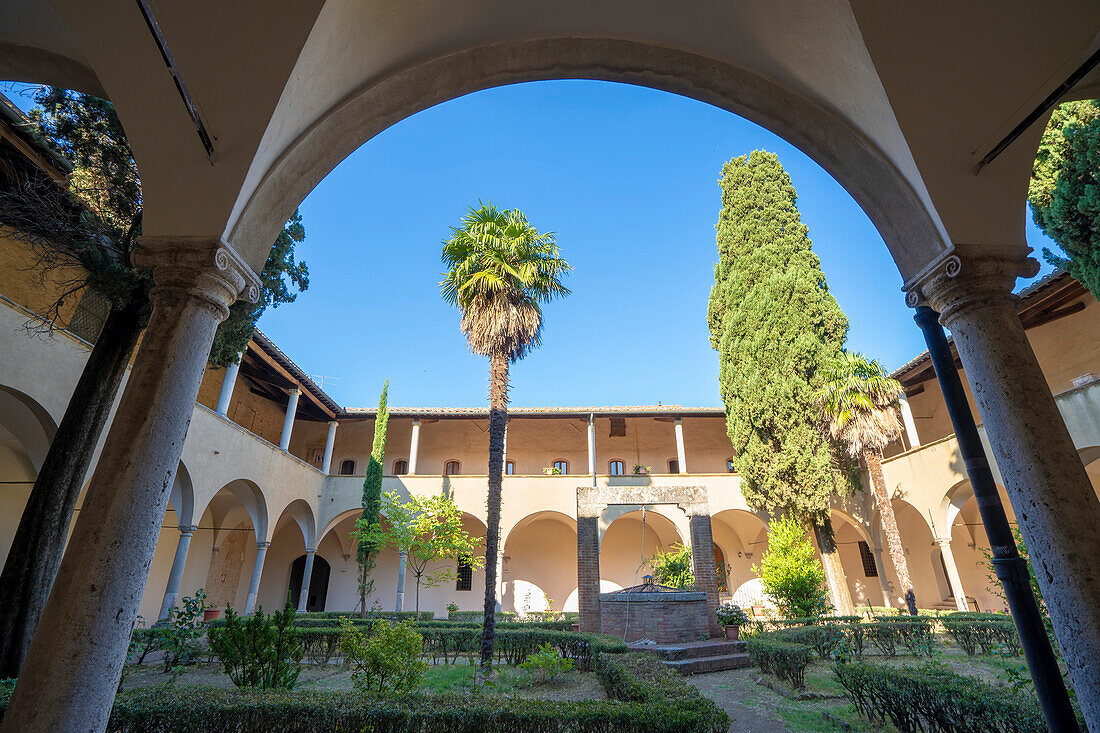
(451, 607)
(732, 617)
(552, 471)
(641, 470)
(210, 613)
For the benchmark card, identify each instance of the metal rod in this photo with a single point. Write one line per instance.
(1011, 569)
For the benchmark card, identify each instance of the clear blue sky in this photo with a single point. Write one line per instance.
(627, 178)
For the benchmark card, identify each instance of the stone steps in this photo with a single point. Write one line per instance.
(698, 657)
(700, 665)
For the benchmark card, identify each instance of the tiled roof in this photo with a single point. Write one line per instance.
(287, 363)
(606, 411)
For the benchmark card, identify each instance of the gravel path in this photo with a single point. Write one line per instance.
(730, 690)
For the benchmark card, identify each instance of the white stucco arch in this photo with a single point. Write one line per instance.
(182, 496)
(249, 497)
(26, 424)
(301, 513)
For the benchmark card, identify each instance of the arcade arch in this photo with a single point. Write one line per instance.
(540, 564)
(26, 432)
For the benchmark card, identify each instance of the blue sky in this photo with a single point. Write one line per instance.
(627, 178)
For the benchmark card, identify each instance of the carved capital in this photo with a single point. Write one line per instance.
(202, 268)
(188, 528)
(956, 281)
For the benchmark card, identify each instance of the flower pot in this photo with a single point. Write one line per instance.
(210, 614)
(576, 627)
(733, 633)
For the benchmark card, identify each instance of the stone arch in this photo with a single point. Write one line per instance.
(26, 432)
(895, 201)
(245, 494)
(301, 513)
(182, 496)
(629, 542)
(743, 537)
(540, 564)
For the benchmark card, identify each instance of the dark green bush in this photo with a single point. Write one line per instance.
(642, 679)
(933, 698)
(263, 651)
(824, 639)
(884, 637)
(989, 634)
(786, 660)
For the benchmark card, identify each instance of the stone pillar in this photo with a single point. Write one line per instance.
(257, 571)
(1054, 501)
(288, 421)
(228, 382)
(307, 574)
(592, 448)
(588, 571)
(681, 456)
(702, 562)
(403, 558)
(883, 581)
(330, 440)
(172, 591)
(500, 580)
(71, 673)
(908, 422)
(953, 578)
(414, 448)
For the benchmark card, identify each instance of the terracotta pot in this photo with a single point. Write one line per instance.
(733, 633)
(576, 627)
(210, 614)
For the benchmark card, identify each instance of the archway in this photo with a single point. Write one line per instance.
(743, 539)
(232, 523)
(630, 542)
(540, 565)
(318, 582)
(26, 431)
(293, 535)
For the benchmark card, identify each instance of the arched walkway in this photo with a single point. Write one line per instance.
(232, 525)
(294, 534)
(26, 431)
(743, 539)
(630, 542)
(540, 564)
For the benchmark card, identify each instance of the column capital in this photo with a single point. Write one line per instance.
(957, 280)
(262, 545)
(311, 550)
(200, 267)
(188, 529)
(334, 423)
(942, 541)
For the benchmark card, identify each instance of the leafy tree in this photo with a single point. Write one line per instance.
(388, 660)
(860, 405)
(87, 233)
(500, 270)
(792, 576)
(673, 568)
(427, 529)
(372, 501)
(776, 326)
(1065, 190)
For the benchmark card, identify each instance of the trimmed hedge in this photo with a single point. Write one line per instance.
(786, 660)
(643, 679)
(334, 622)
(933, 698)
(987, 634)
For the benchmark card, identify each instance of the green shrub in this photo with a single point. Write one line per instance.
(673, 568)
(915, 634)
(884, 637)
(263, 651)
(790, 571)
(989, 634)
(479, 616)
(179, 636)
(388, 660)
(545, 665)
(933, 698)
(824, 639)
(642, 679)
(786, 660)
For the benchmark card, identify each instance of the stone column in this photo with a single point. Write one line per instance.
(257, 571)
(883, 581)
(307, 574)
(681, 456)
(172, 591)
(330, 440)
(1054, 501)
(588, 571)
(71, 673)
(288, 421)
(702, 562)
(402, 559)
(414, 448)
(909, 423)
(500, 580)
(228, 382)
(953, 578)
(592, 448)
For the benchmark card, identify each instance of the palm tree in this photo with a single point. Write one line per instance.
(500, 269)
(860, 405)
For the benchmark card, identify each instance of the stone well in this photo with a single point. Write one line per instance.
(649, 611)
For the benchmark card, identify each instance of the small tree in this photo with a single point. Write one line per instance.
(262, 651)
(427, 529)
(673, 568)
(792, 576)
(388, 660)
(372, 501)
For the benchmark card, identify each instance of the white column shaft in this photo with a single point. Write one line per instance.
(330, 440)
(953, 577)
(592, 448)
(414, 447)
(229, 381)
(307, 574)
(288, 421)
(909, 423)
(681, 455)
(175, 577)
(401, 561)
(257, 571)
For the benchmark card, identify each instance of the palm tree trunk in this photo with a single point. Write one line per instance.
(890, 528)
(498, 417)
(834, 571)
(43, 528)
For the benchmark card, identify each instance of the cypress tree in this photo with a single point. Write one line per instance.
(367, 551)
(776, 326)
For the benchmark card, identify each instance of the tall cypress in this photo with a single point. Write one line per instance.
(775, 326)
(367, 552)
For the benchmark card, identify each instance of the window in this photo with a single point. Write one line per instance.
(400, 468)
(729, 465)
(465, 575)
(90, 315)
(452, 468)
(509, 468)
(562, 465)
(347, 468)
(673, 466)
(870, 569)
(615, 468)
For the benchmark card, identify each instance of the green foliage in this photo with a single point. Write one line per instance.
(366, 550)
(1065, 190)
(673, 568)
(994, 584)
(859, 402)
(988, 635)
(824, 639)
(180, 640)
(791, 574)
(545, 665)
(641, 678)
(787, 661)
(388, 660)
(933, 698)
(280, 269)
(775, 326)
(730, 614)
(263, 652)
